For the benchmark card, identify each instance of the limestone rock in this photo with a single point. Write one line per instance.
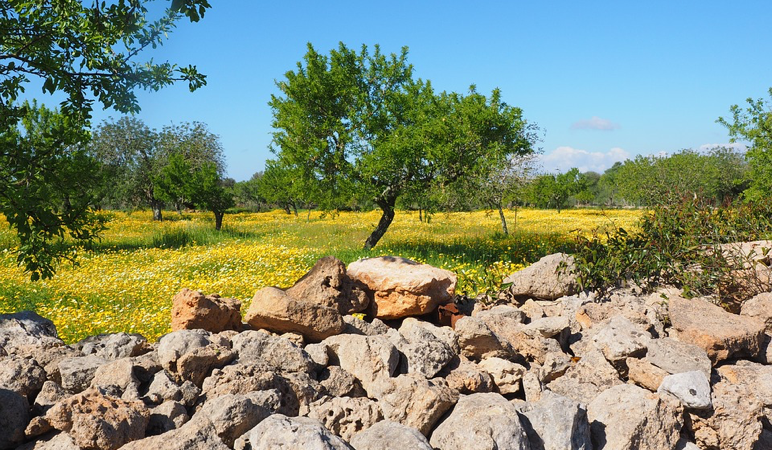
(620, 338)
(166, 417)
(586, 379)
(467, 378)
(355, 325)
(425, 353)
(545, 279)
(272, 309)
(172, 346)
(346, 416)
(628, 416)
(506, 374)
(757, 377)
(113, 346)
(14, 417)
(400, 287)
(50, 394)
(318, 353)
(279, 432)
(675, 356)
(60, 441)
(197, 364)
(555, 422)
(339, 383)
(388, 435)
(481, 422)
(194, 310)
(77, 372)
(21, 375)
(692, 389)
(734, 422)
(645, 374)
(760, 307)
(246, 378)
(370, 359)
(327, 284)
(477, 340)
(277, 353)
(97, 421)
(117, 378)
(721, 334)
(415, 401)
(26, 328)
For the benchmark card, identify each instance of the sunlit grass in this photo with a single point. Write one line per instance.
(127, 283)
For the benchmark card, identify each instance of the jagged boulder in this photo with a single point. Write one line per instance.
(193, 310)
(549, 278)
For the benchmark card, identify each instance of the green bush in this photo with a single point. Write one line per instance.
(677, 243)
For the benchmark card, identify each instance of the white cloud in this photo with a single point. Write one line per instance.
(564, 158)
(736, 145)
(595, 123)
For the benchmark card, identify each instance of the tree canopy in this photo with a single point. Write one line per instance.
(357, 124)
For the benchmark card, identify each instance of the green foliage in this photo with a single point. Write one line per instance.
(357, 125)
(754, 124)
(208, 191)
(678, 243)
(554, 190)
(44, 189)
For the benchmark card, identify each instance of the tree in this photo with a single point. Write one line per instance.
(554, 190)
(754, 125)
(247, 193)
(209, 191)
(358, 125)
(89, 53)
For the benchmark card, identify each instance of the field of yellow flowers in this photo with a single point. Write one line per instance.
(128, 281)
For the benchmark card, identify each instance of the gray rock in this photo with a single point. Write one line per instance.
(370, 359)
(14, 417)
(415, 401)
(60, 441)
(757, 377)
(26, 328)
(318, 354)
(467, 378)
(21, 375)
(619, 338)
(339, 383)
(760, 307)
(586, 379)
(355, 325)
(172, 346)
(78, 372)
(675, 356)
(477, 340)
(281, 432)
(628, 416)
(554, 366)
(508, 311)
(345, 416)
(243, 379)
(506, 374)
(548, 327)
(277, 353)
(388, 435)
(231, 416)
(532, 387)
(735, 422)
(327, 284)
(198, 363)
(191, 436)
(113, 346)
(166, 417)
(50, 394)
(481, 422)
(425, 353)
(545, 279)
(555, 422)
(162, 389)
(691, 388)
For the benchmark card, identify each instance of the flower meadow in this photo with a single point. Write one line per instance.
(127, 282)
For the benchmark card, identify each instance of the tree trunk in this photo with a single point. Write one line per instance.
(287, 208)
(218, 215)
(420, 215)
(155, 205)
(295, 208)
(503, 221)
(387, 206)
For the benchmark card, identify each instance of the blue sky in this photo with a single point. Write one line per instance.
(604, 81)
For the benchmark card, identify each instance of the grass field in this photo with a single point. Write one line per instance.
(128, 281)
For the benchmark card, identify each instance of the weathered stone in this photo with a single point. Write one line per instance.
(532, 387)
(355, 325)
(554, 366)
(415, 401)
(400, 287)
(272, 309)
(388, 435)
(275, 352)
(467, 378)
(525, 341)
(49, 395)
(162, 389)
(339, 383)
(370, 359)
(50, 357)
(14, 417)
(117, 378)
(760, 307)
(548, 327)
(425, 353)
(757, 377)
(555, 422)
(26, 328)
(645, 374)
(734, 422)
(477, 340)
(532, 309)
(97, 421)
(318, 353)
(628, 416)
(346, 416)
(721, 334)
(692, 389)
(279, 431)
(166, 417)
(191, 436)
(549, 278)
(510, 312)
(113, 346)
(327, 284)
(246, 378)
(675, 356)
(295, 339)
(21, 375)
(586, 379)
(77, 372)
(619, 338)
(481, 422)
(60, 441)
(194, 310)
(506, 374)
(197, 364)
(172, 346)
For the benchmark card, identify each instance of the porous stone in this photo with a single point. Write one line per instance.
(506, 374)
(628, 416)
(400, 287)
(198, 363)
(549, 278)
(78, 372)
(467, 378)
(339, 383)
(117, 378)
(415, 401)
(166, 417)
(346, 416)
(760, 307)
(14, 417)
(477, 340)
(279, 431)
(246, 378)
(272, 309)
(355, 325)
(370, 359)
(276, 352)
(113, 346)
(619, 338)
(49, 395)
(586, 379)
(27, 329)
(721, 334)
(555, 422)
(674, 356)
(735, 421)
(21, 375)
(425, 353)
(194, 310)
(172, 346)
(388, 435)
(692, 389)
(327, 284)
(645, 374)
(481, 422)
